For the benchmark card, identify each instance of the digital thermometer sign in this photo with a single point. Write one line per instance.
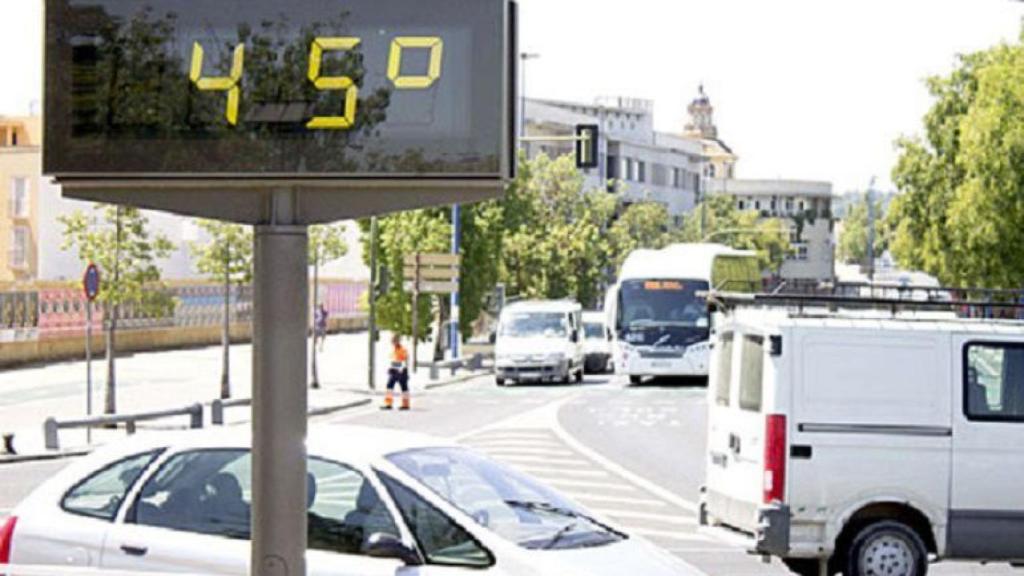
(265, 89)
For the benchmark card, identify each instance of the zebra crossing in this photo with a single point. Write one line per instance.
(541, 453)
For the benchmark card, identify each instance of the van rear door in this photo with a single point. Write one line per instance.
(736, 434)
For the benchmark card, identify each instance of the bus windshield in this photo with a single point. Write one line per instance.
(646, 303)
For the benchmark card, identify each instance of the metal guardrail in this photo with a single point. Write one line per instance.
(217, 408)
(52, 426)
(475, 362)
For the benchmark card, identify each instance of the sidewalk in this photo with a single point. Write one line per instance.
(167, 380)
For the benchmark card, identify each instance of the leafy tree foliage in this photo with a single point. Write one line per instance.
(960, 212)
(853, 243)
(725, 224)
(118, 241)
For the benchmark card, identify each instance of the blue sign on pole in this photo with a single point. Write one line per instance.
(91, 282)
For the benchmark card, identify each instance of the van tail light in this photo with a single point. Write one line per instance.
(774, 458)
(7, 539)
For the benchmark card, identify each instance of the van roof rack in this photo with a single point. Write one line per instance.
(938, 299)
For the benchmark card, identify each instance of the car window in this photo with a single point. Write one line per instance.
(751, 373)
(441, 540)
(723, 372)
(994, 382)
(209, 492)
(101, 494)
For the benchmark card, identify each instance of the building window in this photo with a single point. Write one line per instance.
(789, 205)
(641, 171)
(741, 205)
(19, 247)
(801, 206)
(711, 170)
(800, 252)
(613, 167)
(19, 197)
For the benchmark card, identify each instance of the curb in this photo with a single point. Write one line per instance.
(338, 408)
(456, 380)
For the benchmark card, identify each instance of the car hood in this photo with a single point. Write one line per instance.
(631, 556)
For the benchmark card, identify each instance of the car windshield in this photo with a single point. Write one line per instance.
(593, 330)
(527, 324)
(504, 501)
(646, 303)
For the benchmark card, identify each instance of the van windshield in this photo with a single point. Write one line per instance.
(593, 330)
(534, 324)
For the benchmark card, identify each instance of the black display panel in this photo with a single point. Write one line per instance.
(272, 88)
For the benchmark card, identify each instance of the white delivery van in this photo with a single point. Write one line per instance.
(539, 341)
(867, 442)
(597, 343)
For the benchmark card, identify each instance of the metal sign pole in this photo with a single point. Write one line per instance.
(279, 392)
(415, 311)
(453, 342)
(88, 368)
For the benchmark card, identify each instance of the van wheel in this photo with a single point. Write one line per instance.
(887, 547)
(804, 566)
(499, 381)
(634, 380)
(579, 376)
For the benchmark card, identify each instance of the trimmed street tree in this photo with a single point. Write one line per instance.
(117, 240)
(326, 243)
(853, 243)
(744, 230)
(226, 256)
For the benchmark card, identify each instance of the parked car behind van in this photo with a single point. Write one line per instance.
(597, 343)
(866, 440)
(539, 341)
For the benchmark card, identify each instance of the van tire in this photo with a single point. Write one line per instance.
(635, 380)
(579, 376)
(886, 533)
(804, 566)
(499, 380)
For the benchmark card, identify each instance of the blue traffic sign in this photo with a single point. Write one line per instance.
(91, 282)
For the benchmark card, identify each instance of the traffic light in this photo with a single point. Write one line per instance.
(587, 137)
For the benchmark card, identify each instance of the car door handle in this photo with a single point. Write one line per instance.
(134, 550)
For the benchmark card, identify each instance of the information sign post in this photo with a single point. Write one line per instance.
(91, 288)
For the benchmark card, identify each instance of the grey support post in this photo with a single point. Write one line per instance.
(279, 392)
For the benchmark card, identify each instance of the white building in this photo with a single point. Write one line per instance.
(807, 208)
(651, 165)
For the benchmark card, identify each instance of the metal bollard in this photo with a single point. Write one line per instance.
(217, 412)
(129, 427)
(476, 362)
(9, 444)
(50, 439)
(197, 416)
(435, 373)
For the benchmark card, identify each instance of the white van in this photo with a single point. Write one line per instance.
(539, 341)
(865, 442)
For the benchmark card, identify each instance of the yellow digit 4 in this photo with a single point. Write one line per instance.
(227, 84)
(436, 47)
(316, 54)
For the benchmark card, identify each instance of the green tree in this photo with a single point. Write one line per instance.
(326, 243)
(961, 206)
(741, 229)
(118, 241)
(226, 255)
(853, 243)
(641, 225)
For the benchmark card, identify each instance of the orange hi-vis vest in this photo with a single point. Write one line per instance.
(399, 357)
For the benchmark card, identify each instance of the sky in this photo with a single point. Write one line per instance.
(802, 89)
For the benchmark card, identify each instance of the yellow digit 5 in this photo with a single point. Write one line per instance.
(227, 84)
(436, 46)
(316, 54)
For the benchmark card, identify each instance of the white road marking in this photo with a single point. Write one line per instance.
(538, 470)
(556, 481)
(617, 500)
(498, 452)
(499, 442)
(547, 462)
(669, 535)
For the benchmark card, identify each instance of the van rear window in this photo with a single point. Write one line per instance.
(751, 373)
(723, 371)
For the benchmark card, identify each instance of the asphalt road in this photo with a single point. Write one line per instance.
(632, 454)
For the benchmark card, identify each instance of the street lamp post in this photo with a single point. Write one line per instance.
(524, 58)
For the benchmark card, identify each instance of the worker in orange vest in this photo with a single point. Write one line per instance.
(398, 373)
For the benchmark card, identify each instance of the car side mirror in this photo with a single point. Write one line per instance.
(384, 545)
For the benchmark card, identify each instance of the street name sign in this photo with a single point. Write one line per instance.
(432, 273)
(205, 108)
